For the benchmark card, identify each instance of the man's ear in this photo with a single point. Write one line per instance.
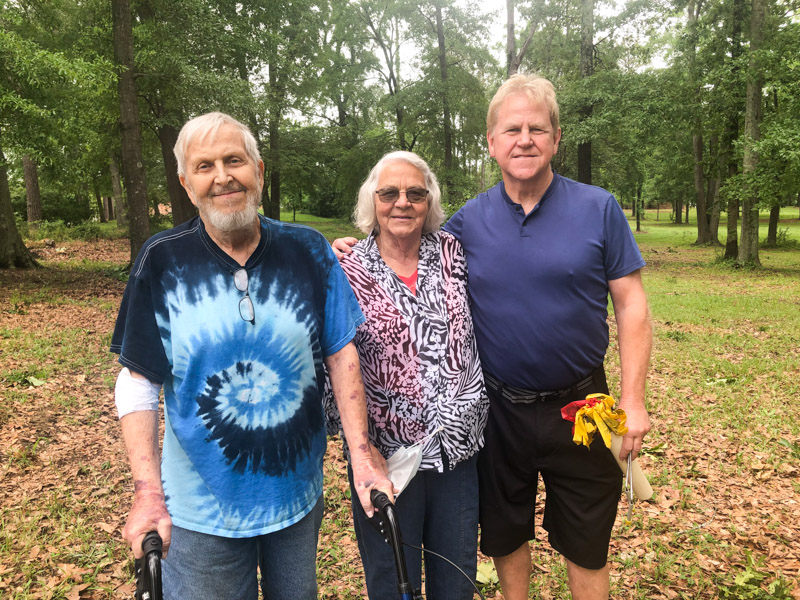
(490, 142)
(188, 188)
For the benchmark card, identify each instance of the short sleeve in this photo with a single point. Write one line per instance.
(621, 254)
(455, 224)
(137, 337)
(342, 311)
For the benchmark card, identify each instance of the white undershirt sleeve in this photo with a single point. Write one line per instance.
(132, 394)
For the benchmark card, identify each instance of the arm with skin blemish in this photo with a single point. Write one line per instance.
(149, 510)
(369, 467)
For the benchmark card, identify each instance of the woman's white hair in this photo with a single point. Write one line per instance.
(209, 125)
(364, 215)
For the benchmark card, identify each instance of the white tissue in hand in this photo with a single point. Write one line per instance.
(403, 465)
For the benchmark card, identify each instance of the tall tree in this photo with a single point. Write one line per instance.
(694, 9)
(586, 72)
(514, 58)
(748, 248)
(131, 149)
(730, 166)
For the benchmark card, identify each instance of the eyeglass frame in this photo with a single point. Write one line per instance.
(405, 191)
(246, 301)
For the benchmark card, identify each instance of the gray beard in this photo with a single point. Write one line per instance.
(232, 222)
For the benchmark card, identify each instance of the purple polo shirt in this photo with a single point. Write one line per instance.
(539, 282)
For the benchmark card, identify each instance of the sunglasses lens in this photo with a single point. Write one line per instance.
(240, 280)
(388, 195)
(246, 309)
(416, 195)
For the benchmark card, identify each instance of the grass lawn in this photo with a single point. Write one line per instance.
(723, 455)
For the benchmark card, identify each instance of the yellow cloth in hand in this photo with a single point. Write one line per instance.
(596, 413)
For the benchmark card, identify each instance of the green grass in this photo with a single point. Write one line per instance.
(330, 228)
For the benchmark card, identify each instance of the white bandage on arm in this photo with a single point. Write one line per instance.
(133, 394)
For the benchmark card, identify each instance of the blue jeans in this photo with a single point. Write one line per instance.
(202, 566)
(438, 511)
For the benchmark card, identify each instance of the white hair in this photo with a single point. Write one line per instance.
(209, 124)
(364, 215)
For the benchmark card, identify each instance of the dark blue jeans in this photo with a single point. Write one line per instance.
(438, 511)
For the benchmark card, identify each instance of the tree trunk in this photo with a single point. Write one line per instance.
(132, 164)
(678, 210)
(109, 207)
(116, 189)
(182, 207)
(511, 40)
(736, 19)
(639, 207)
(448, 134)
(273, 208)
(699, 187)
(13, 252)
(748, 248)
(101, 207)
(712, 194)
(587, 70)
(772, 228)
(32, 193)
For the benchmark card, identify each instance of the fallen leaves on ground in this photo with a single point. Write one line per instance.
(65, 487)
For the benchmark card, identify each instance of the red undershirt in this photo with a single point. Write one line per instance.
(411, 281)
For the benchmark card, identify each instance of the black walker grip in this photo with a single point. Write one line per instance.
(152, 543)
(379, 500)
(148, 568)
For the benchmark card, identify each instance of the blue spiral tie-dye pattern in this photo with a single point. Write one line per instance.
(245, 433)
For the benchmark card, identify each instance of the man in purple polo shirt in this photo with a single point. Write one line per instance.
(544, 252)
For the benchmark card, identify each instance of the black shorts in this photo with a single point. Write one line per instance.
(582, 485)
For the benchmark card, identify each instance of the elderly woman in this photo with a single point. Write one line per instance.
(421, 374)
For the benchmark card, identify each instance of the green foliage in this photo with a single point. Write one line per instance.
(487, 578)
(59, 231)
(755, 583)
(329, 87)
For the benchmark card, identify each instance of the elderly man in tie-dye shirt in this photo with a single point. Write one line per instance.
(234, 316)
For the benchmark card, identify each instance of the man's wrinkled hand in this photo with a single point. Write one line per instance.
(342, 246)
(370, 473)
(148, 513)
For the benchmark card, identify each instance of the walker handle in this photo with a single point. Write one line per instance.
(148, 568)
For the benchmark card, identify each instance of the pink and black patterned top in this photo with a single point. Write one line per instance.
(419, 360)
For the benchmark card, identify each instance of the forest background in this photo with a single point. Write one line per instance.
(688, 104)
(689, 112)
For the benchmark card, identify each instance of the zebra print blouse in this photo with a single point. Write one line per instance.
(419, 360)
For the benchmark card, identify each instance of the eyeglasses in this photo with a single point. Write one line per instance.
(242, 283)
(413, 195)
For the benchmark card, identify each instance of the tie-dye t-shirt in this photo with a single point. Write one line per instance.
(245, 434)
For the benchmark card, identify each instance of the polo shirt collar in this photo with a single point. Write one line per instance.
(516, 207)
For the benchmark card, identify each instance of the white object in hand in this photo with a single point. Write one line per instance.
(641, 487)
(404, 463)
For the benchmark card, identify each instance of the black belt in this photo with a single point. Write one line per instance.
(525, 396)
